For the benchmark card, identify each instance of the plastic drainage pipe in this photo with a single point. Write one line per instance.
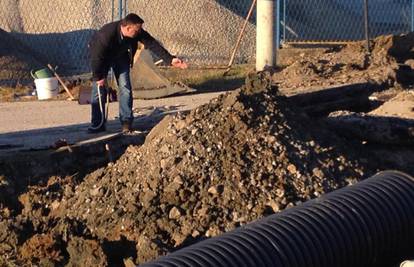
(367, 224)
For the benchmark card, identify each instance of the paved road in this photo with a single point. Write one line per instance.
(39, 124)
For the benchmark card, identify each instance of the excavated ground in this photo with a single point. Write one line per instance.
(247, 154)
(391, 61)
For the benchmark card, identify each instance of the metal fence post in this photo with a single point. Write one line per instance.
(265, 40)
(366, 19)
(112, 10)
(125, 8)
(277, 25)
(412, 15)
(284, 20)
(120, 9)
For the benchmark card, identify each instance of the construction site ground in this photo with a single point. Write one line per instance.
(327, 118)
(37, 125)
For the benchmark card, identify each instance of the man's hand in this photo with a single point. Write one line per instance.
(101, 83)
(178, 63)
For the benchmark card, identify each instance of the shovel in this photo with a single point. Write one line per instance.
(61, 82)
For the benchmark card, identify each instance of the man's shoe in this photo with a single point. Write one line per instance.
(126, 127)
(93, 130)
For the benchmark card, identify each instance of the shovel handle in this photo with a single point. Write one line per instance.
(61, 82)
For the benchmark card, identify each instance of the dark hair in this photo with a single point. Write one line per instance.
(131, 19)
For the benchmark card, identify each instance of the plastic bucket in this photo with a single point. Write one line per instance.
(407, 264)
(46, 88)
(41, 74)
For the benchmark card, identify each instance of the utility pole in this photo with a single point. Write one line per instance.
(265, 31)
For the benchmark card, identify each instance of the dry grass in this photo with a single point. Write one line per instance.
(4, 262)
(18, 93)
(207, 80)
(202, 79)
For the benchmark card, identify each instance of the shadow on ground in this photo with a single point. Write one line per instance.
(224, 84)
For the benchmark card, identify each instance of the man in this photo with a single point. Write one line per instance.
(114, 46)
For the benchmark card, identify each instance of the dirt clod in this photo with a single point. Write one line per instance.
(85, 253)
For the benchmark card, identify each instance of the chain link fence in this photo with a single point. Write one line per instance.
(342, 20)
(57, 32)
(203, 32)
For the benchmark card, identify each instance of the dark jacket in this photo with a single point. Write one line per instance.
(108, 44)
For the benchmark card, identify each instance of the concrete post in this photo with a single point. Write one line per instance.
(265, 40)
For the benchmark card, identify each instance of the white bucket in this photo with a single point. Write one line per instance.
(407, 264)
(46, 88)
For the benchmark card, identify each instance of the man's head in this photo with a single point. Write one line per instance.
(131, 25)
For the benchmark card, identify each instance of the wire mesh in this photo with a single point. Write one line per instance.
(203, 32)
(57, 32)
(343, 20)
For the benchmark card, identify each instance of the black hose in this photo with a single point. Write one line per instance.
(368, 224)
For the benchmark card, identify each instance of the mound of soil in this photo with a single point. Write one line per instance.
(390, 61)
(401, 106)
(244, 155)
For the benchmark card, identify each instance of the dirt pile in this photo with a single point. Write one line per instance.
(400, 106)
(391, 61)
(243, 156)
(16, 60)
(392, 49)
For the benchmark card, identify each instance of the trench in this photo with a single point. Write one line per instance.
(28, 168)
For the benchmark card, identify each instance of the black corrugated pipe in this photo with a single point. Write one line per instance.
(368, 224)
